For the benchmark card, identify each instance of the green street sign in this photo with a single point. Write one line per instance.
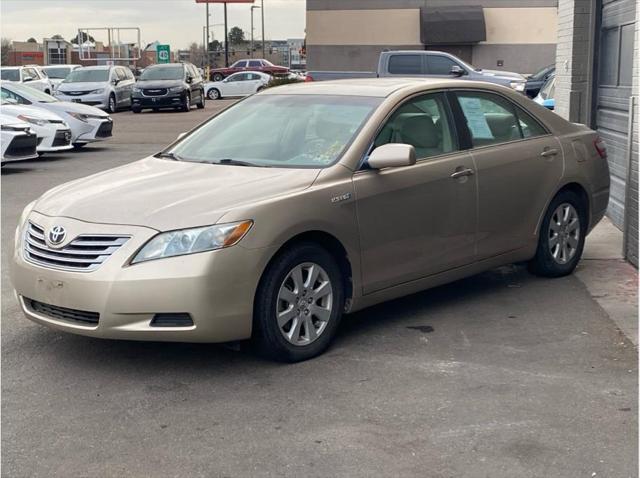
(163, 53)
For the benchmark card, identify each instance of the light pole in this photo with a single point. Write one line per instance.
(253, 7)
(262, 12)
(206, 46)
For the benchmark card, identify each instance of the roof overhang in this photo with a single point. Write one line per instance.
(452, 25)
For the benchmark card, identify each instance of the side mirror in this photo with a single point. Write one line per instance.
(392, 155)
(456, 71)
(182, 135)
(115, 81)
(189, 79)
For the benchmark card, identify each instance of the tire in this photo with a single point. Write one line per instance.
(186, 104)
(136, 109)
(47, 92)
(213, 94)
(202, 100)
(79, 145)
(218, 77)
(314, 309)
(111, 104)
(561, 239)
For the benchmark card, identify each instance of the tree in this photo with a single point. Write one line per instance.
(32, 40)
(215, 45)
(5, 49)
(57, 36)
(236, 36)
(196, 55)
(82, 37)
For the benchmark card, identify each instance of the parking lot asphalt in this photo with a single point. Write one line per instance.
(499, 375)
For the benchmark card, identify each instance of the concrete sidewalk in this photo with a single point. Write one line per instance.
(611, 281)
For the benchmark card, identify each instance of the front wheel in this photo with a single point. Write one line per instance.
(562, 235)
(299, 304)
(186, 104)
(136, 109)
(79, 145)
(111, 104)
(213, 94)
(202, 100)
(218, 77)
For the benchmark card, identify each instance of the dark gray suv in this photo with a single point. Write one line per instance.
(168, 85)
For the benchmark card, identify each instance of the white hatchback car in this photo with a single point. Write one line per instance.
(31, 75)
(53, 133)
(88, 124)
(17, 140)
(244, 83)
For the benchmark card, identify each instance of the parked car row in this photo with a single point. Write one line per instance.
(58, 125)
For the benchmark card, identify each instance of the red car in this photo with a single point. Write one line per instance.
(265, 66)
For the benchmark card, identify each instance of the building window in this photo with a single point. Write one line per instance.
(626, 55)
(616, 55)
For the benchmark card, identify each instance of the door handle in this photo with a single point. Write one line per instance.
(462, 173)
(549, 152)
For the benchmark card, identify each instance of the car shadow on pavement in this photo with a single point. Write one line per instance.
(104, 354)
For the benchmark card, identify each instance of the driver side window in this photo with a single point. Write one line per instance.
(423, 122)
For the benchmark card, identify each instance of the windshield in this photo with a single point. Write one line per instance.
(86, 75)
(10, 75)
(162, 73)
(290, 131)
(539, 75)
(59, 72)
(548, 90)
(26, 92)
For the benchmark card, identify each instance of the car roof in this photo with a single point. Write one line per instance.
(376, 87)
(98, 67)
(12, 67)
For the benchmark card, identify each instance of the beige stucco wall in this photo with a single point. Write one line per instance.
(521, 25)
(363, 27)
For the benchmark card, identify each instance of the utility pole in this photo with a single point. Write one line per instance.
(206, 43)
(253, 7)
(262, 11)
(226, 38)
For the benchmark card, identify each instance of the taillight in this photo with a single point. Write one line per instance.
(601, 147)
(308, 77)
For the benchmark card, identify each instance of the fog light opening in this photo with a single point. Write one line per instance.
(172, 320)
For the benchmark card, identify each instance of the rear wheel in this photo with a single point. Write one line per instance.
(562, 235)
(218, 77)
(299, 304)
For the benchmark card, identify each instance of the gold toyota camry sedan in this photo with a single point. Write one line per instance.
(304, 202)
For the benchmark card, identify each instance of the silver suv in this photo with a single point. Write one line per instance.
(106, 87)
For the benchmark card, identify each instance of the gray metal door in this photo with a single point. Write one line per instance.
(615, 65)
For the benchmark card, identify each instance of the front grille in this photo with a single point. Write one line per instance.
(104, 131)
(62, 313)
(62, 138)
(22, 146)
(75, 93)
(154, 91)
(84, 254)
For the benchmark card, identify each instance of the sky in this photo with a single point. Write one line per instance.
(176, 22)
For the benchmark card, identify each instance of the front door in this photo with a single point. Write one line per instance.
(418, 220)
(519, 166)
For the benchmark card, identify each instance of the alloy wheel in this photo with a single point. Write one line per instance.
(112, 104)
(305, 303)
(564, 233)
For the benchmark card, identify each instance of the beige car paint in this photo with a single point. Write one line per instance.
(403, 229)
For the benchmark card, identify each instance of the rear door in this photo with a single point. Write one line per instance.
(519, 165)
(405, 64)
(418, 220)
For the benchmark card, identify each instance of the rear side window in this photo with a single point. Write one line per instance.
(406, 65)
(423, 122)
(440, 65)
(491, 119)
(255, 64)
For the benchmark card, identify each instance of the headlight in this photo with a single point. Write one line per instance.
(8, 127)
(517, 85)
(137, 90)
(190, 241)
(176, 89)
(33, 120)
(97, 92)
(84, 117)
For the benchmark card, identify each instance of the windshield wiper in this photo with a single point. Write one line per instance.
(168, 155)
(235, 162)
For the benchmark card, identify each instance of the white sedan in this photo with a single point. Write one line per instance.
(87, 123)
(17, 140)
(53, 133)
(243, 83)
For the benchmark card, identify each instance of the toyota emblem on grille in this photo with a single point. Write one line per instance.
(57, 234)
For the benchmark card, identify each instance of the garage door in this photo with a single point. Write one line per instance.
(613, 92)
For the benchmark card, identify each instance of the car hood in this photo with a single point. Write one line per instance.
(82, 86)
(165, 195)
(502, 74)
(158, 83)
(41, 113)
(67, 106)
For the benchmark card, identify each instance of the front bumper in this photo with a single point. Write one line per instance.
(215, 288)
(55, 140)
(18, 146)
(170, 100)
(94, 130)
